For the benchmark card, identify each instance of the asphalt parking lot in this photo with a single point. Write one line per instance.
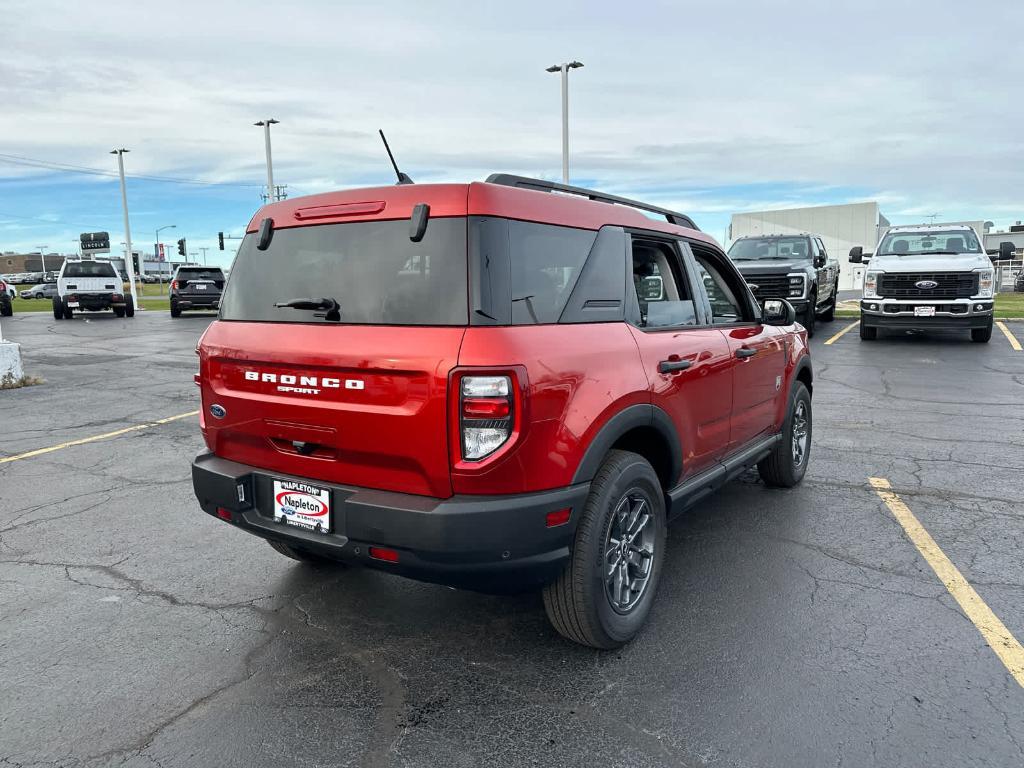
(792, 628)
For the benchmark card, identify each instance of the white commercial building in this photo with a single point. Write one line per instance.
(841, 227)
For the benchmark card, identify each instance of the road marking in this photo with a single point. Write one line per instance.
(998, 637)
(1009, 335)
(94, 438)
(839, 335)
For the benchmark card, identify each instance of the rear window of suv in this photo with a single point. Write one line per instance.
(372, 269)
(89, 269)
(199, 273)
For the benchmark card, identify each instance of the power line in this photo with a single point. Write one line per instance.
(51, 222)
(52, 165)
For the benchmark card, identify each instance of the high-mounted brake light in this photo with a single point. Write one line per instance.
(485, 414)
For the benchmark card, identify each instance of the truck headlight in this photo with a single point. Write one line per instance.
(871, 285)
(985, 282)
(796, 287)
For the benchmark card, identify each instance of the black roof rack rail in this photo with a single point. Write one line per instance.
(540, 185)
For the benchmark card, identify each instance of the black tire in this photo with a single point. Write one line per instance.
(302, 555)
(175, 309)
(578, 603)
(129, 306)
(830, 312)
(69, 313)
(6, 307)
(58, 309)
(807, 320)
(38, 296)
(981, 335)
(867, 333)
(783, 468)
(118, 311)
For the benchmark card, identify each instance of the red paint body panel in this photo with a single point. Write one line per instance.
(759, 382)
(391, 434)
(577, 377)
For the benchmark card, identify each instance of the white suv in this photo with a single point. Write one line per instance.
(929, 277)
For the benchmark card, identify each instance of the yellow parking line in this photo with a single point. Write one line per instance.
(839, 335)
(1009, 335)
(94, 438)
(998, 637)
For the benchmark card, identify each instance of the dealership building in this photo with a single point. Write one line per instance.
(842, 227)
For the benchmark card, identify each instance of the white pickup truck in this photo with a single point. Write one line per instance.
(93, 286)
(929, 278)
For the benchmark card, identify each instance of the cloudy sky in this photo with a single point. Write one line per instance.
(711, 108)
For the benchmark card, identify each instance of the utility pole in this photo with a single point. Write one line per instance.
(127, 229)
(564, 69)
(270, 163)
(204, 249)
(42, 257)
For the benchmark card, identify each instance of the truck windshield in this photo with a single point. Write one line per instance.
(950, 241)
(375, 273)
(770, 248)
(89, 269)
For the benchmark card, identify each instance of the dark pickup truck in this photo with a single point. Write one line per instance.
(792, 267)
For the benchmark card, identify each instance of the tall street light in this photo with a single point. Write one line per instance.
(265, 124)
(127, 229)
(42, 257)
(564, 69)
(159, 267)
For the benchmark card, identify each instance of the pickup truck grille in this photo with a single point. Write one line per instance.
(949, 285)
(769, 286)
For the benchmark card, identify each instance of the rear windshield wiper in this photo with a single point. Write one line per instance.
(331, 306)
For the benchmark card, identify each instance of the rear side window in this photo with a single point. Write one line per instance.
(545, 262)
(372, 269)
(89, 269)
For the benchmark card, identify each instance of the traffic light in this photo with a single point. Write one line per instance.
(220, 239)
(181, 247)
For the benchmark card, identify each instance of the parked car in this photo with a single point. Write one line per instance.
(92, 286)
(6, 308)
(792, 267)
(929, 277)
(506, 385)
(41, 291)
(196, 288)
(150, 278)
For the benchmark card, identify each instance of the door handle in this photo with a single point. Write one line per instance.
(743, 352)
(669, 366)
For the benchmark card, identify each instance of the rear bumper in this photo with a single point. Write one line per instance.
(485, 543)
(95, 302)
(197, 302)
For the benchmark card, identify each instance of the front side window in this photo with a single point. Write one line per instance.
(723, 292)
(950, 241)
(371, 269)
(770, 249)
(662, 293)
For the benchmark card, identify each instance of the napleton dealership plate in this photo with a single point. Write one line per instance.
(302, 505)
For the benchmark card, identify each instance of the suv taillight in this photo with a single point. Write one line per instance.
(485, 414)
(174, 285)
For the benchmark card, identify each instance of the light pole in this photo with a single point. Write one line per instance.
(127, 229)
(159, 268)
(204, 249)
(270, 163)
(42, 258)
(564, 69)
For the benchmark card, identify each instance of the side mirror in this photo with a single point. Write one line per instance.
(820, 261)
(778, 312)
(856, 255)
(1006, 251)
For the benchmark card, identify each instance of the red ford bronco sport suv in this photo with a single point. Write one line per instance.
(497, 386)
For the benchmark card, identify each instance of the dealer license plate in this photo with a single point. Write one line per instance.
(302, 505)
(924, 311)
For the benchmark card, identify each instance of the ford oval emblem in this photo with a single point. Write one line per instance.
(926, 285)
(218, 411)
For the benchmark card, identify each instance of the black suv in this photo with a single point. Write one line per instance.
(196, 288)
(792, 267)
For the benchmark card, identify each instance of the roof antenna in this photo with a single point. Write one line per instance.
(402, 178)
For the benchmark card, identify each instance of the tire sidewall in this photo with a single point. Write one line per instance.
(799, 393)
(637, 473)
